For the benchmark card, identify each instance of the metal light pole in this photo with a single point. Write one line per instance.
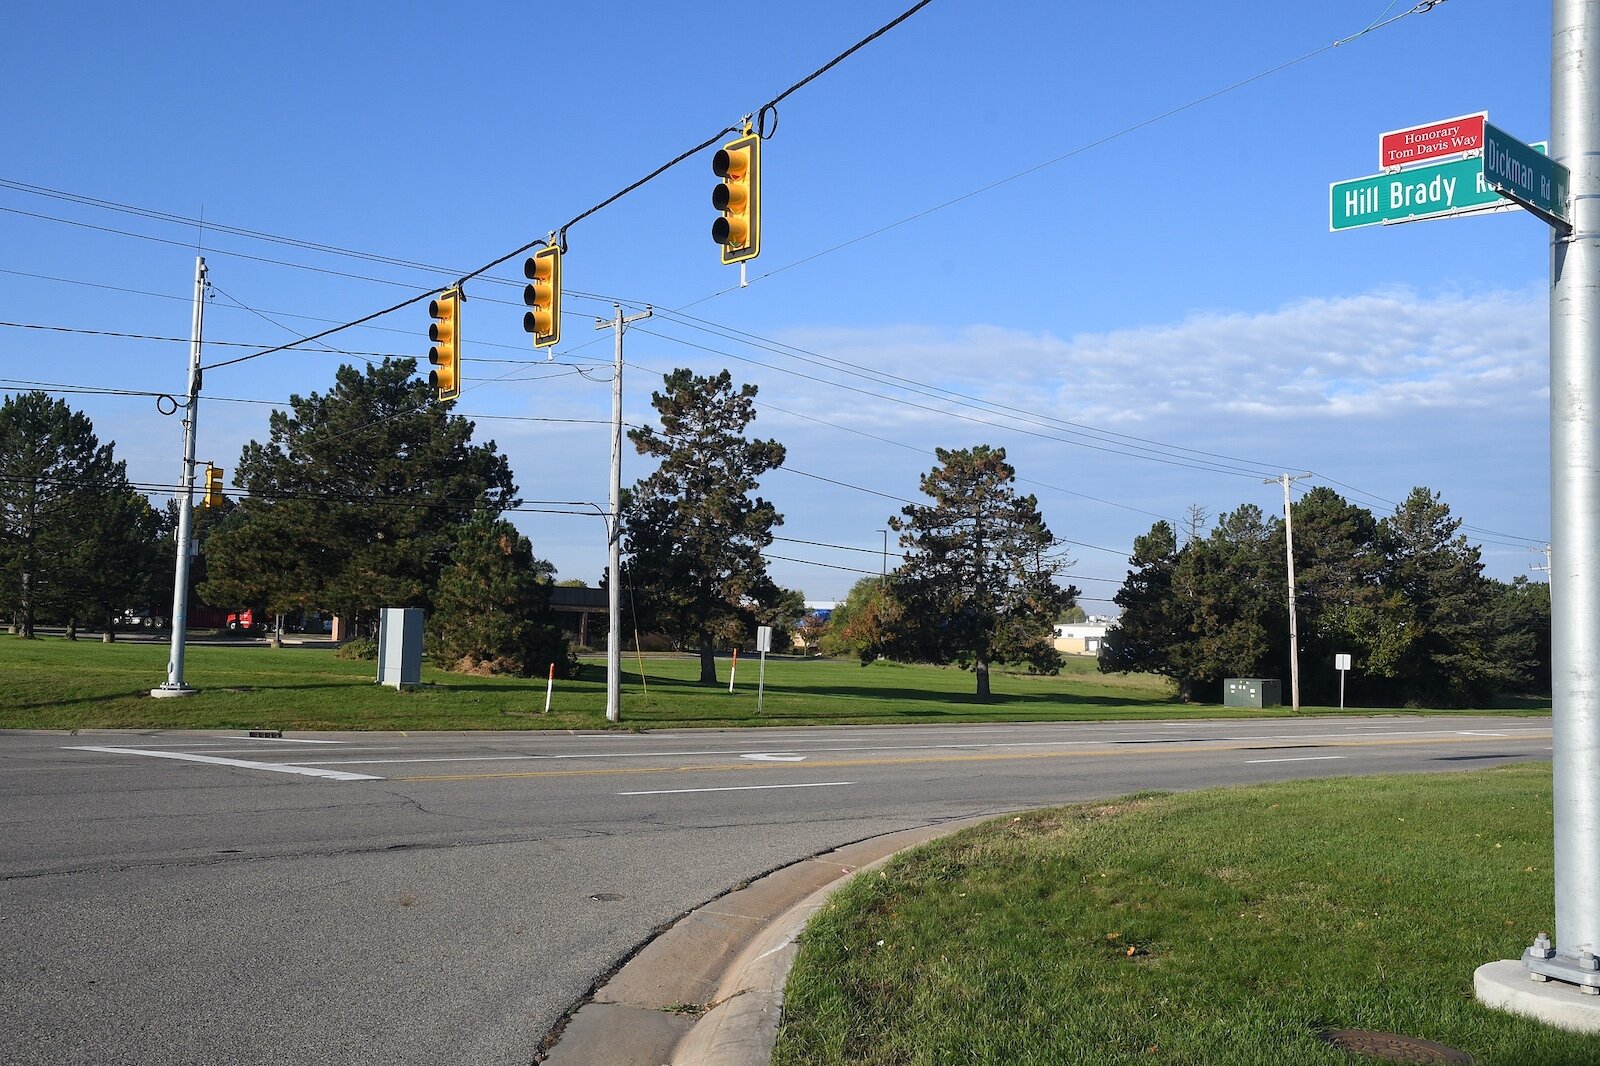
(883, 578)
(1575, 502)
(614, 526)
(174, 685)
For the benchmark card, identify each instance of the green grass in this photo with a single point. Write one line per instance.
(52, 683)
(1220, 927)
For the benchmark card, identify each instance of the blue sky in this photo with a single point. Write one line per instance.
(1026, 224)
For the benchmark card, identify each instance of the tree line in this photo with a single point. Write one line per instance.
(1404, 595)
(372, 495)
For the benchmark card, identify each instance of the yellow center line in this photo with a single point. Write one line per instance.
(1154, 749)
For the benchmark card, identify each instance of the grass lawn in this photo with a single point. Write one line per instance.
(1228, 926)
(51, 683)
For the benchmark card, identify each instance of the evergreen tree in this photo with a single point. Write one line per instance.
(693, 528)
(1521, 623)
(1442, 607)
(113, 563)
(1339, 593)
(492, 606)
(1204, 612)
(356, 499)
(978, 581)
(55, 476)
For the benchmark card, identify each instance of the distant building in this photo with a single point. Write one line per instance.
(1083, 638)
(573, 607)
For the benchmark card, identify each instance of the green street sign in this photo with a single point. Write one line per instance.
(1517, 171)
(1433, 190)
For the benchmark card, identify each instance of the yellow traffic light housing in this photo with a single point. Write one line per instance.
(543, 296)
(738, 197)
(213, 496)
(445, 333)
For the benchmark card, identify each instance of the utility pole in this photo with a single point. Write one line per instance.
(614, 526)
(1545, 569)
(174, 685)
(1286, 480)
(883, 579)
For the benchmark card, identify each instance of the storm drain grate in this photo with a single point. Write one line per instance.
(1392, 1047)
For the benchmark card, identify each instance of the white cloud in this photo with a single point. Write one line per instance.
(1376, 355)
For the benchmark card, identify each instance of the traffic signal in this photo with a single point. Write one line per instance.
(738, 197)
(213, 496)
(543, 296)
(445, 333)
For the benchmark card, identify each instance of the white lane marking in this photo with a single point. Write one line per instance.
(732, 788)
(1303, 758)
(777, 756)
(243, 764)
(289, 740)
(1479, 733)
(887, 746)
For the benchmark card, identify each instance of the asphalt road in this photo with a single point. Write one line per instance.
(446, 897)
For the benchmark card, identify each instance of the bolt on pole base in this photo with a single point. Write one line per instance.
(1544, 963)
(1510, 986)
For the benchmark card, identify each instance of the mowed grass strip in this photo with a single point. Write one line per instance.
(1221, 927)
(51, 683)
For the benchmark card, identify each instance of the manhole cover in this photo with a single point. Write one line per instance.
(1392, 1047)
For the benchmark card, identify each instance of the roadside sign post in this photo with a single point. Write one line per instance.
(1341, 663)
(763, 645)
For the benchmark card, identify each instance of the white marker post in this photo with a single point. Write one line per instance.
(549, 688)
(1341, 663)
(763, 645)
(732, 670)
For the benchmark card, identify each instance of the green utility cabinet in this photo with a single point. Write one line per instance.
(1252, 692)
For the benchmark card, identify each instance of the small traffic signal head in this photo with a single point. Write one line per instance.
(213, 496)
(543, 296)
(445, 333)
(738, 197)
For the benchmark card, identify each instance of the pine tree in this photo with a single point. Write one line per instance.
(55, 476)
(356, 499)
(978, 582)
(693, 528)
(492, 606)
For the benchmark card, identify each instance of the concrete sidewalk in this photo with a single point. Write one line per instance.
(709, 990)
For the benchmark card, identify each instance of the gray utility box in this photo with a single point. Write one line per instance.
(1252, 692)
(400, 647)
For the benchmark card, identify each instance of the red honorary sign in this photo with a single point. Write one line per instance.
(1436, 140)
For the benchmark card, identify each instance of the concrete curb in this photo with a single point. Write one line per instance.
(709, 990)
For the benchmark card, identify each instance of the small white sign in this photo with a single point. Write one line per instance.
(763, 638)
(1341, 662)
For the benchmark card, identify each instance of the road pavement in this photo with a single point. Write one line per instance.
(180, 897)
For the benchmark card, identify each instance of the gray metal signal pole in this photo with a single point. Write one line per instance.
(174, 685)
(614, 526)
(1575, 501)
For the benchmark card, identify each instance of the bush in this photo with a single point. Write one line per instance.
(358, 648)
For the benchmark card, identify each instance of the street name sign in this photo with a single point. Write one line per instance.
(1431, 142)
(1433, 190)
(1517, 171)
